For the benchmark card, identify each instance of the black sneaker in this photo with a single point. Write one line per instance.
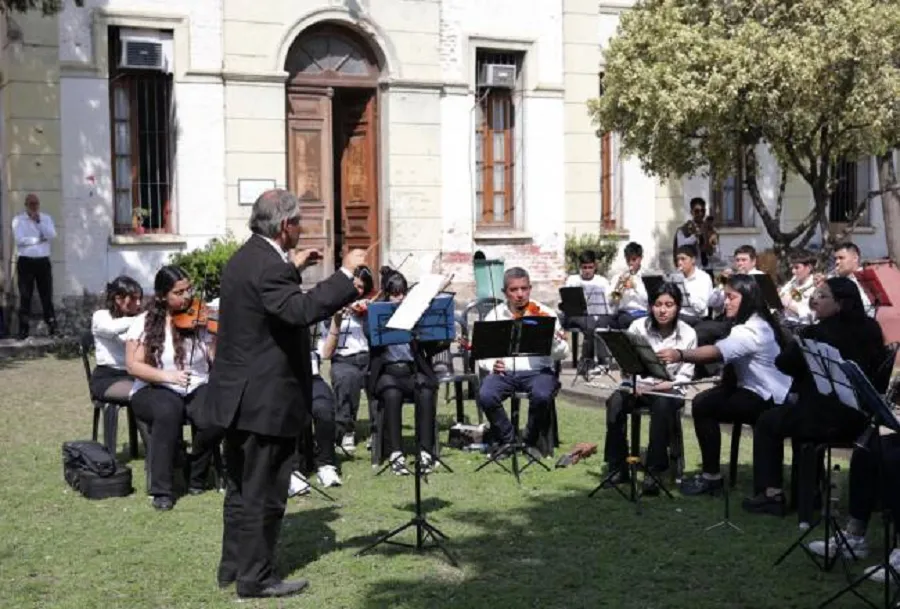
(765, 504)
(649, 488)
(700, 485)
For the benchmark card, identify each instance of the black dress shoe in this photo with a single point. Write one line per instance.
(163, 503)
(764, 504)
(224, 583)
(649, 488)
(700, 485)
(274, 589)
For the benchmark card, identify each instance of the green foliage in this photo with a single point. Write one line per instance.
(691, 84)
(48, 7)
(205, 265)
(604, 247)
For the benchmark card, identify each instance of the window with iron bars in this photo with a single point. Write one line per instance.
(142, 119)
(852, 183)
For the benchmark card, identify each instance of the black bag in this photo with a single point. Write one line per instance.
(90, 469)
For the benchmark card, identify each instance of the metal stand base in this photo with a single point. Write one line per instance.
(633, 465)
(513, 450)
(726, 521)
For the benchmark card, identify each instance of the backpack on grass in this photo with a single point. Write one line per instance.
(90, 469)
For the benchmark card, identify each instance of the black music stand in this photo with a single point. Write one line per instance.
(652, 283)
(583, 301)
(880, 415)
(769, 291)
(528, 336)
(636, 358)
(871, 284)
(435, 325)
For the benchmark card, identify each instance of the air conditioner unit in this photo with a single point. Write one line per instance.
(497, 76)
(145, 50)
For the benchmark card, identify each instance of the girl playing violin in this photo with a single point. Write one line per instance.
(171, 368)
(110, 380)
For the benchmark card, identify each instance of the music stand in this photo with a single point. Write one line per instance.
(652, 283)
(511, 338)
(871, 284)
(636, 358)
(435, 325)
(880, 415)
(769, 291)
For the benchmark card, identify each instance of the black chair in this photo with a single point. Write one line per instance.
(107, 409)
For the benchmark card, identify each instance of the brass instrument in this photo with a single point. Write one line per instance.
(621, 286)
(797, 293)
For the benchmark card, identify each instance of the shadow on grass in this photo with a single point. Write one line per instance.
(305, 537)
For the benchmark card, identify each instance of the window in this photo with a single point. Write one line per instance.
(141, 111)
(495, 147)
(609, 185)
(852, 183)
(731, 205)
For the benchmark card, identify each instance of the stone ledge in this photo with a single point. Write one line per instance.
(30, 348)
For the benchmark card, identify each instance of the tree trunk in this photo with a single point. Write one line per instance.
(890, 204)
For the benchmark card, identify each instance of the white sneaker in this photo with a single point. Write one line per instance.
(328, 476)
(299, 485)
(427, 462)
(348, 442)
(875, 573)
(398, 464)
(858, 544)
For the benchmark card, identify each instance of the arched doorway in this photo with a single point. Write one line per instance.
(332, 141)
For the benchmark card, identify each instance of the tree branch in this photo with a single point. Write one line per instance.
(779, 202)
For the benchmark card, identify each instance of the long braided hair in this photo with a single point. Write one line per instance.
(155, 323)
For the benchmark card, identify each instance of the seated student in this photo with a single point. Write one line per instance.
(844, 325)
(796, 293)
(629, 295)
(697, 286)
(868, 483)
(751, 383)
(534, 375)
(663, 330)
(323, 449)
(846, 263)
(397, 372)
(596, 294)
(711, 330)
(171, 368)
(110, 380)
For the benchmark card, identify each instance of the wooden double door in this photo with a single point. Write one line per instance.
(333, 168)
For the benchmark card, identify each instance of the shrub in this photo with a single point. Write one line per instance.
(205, 265)
(604, 247)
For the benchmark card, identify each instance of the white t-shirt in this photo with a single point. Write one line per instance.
(752, 348)
(198, 366)
(109, 338)
(596, 292)
(696, 290)
(350, 340)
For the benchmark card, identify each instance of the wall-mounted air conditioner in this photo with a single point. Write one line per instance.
(146, 50)
(497, 76)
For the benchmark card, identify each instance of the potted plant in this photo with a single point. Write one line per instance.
(137, 220)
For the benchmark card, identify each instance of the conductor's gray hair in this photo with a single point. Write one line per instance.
(271, 209)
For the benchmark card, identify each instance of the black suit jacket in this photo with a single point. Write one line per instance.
(262, 378)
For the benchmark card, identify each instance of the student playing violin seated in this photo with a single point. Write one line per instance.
(171, 368)
(398, 373)
(663, 330)
(110, 380)
(533, 375)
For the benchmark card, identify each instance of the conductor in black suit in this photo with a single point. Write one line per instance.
(260, 389)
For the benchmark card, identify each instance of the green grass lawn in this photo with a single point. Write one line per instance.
(544, 544)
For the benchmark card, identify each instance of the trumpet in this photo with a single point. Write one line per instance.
(623, 284)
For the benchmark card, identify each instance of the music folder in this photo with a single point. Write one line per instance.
(634, 354)
(529, 336)
(769, 291)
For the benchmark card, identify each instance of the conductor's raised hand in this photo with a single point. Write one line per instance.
(354, 259)
(303, 259)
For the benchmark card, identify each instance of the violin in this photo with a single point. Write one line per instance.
(197, 315)
(532, 309)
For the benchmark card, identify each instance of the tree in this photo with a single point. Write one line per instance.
(48, 7)
(694, 84)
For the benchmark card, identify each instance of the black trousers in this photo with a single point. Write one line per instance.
(323, 424)
(813, 418)
(257, 476)
(592, 347)
(31, 272)
(662, 420)
(866, 482)
(399, 382)
(348, 379)
(722, 405)
(165, 412)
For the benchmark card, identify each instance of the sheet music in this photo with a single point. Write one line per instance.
(595, 297)
(824, 363)
(416, 302)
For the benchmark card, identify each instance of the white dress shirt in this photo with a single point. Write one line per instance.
(696, 290)
(684, 337)
(525, 363)
(33, 238)
(596, 292)
(717, 298)
(109, 338)
(803, 314)
(751, 347)
(867, 304)
(198, 366)
(635, 298)
(351, 339)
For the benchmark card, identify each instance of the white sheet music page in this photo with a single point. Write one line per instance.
(416, 302)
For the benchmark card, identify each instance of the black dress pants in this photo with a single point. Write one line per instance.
(323, 424)
(165, 412)
(257, 475)
(662, 418)
(396, 383)
(592, 347)
(722, 405)
(866, 481)
(31, 272)
(348, 379)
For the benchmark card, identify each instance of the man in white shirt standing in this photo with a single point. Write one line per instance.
(696, 285)
(531, 374)
(33, 231)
